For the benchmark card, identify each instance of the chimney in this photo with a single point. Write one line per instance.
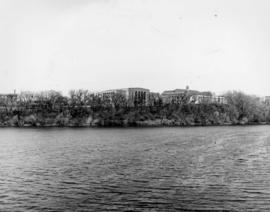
(187, 87)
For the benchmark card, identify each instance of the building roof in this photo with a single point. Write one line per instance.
(137, 88)
(206, 93)
(123, 89)
(179, 91)
(111, 90)
(190, 92)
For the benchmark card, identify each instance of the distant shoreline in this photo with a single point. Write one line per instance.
(83, 110)
(136, 126)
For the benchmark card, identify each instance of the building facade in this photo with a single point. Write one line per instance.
(219, 100)
(191, 97)
(177, 95)
(138, 96)
(200, 99)
(134, 96)
(143, 96)
(207, 99)
(186, 96)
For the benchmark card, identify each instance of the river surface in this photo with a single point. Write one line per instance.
(153, 169)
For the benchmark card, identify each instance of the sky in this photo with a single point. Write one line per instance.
(215, 45)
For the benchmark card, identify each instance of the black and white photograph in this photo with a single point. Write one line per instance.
(134, 105)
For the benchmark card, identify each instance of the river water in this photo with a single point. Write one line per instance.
(150, 169)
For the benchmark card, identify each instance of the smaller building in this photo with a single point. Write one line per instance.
(177, 95)
(200, 99)
(219, 100)
(109, 93)
(186, 96)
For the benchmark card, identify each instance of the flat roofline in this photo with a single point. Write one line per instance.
(120, 89)
(138, 88)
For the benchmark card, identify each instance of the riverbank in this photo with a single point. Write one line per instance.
(91, 122)
(140, 116)
(93, 111)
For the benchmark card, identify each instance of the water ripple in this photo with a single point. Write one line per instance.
(161, 169)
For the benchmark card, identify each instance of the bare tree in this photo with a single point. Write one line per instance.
(118, 100)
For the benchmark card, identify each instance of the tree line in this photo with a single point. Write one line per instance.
(84, 108)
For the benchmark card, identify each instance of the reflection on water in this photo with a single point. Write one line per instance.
(160, 169)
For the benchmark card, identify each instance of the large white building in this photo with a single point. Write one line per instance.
(134, 96)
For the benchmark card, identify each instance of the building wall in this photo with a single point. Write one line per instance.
(180, 95)
(138, 96)
(134, 96)
(142, 96)
(173, 96)
(110, 93)
(219, 100)
(193, 96)
(199, 99)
